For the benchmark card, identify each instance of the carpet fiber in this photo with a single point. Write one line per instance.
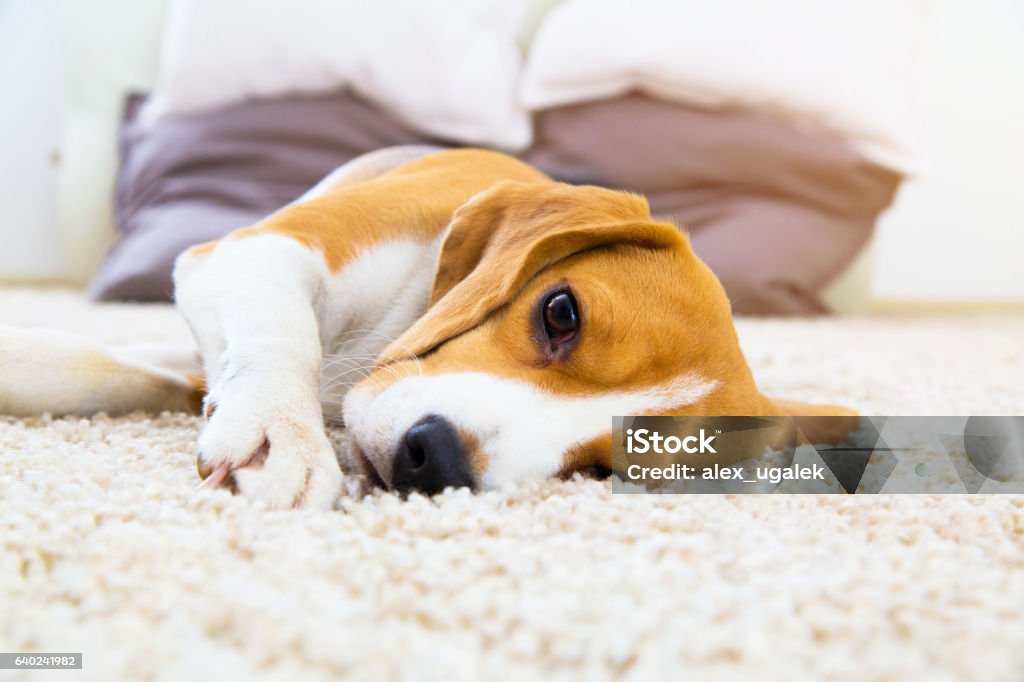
(107, 548)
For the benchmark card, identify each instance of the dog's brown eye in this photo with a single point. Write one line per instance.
(560, 316)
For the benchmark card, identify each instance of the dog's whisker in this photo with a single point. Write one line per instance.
(351, 362)
(345, 362)
(350, 355)
(361, 372)
(376, 334)
(339, 378)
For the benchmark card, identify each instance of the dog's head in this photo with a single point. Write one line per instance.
(553, 308)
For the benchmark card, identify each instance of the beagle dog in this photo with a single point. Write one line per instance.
(469, 320)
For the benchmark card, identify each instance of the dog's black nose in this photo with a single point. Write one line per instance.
(430, 458)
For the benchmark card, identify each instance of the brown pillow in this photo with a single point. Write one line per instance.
(777, 212)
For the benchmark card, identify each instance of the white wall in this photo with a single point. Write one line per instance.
(957, 232)
(33, 78)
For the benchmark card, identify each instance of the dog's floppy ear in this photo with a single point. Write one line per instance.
(537, 224)
(502, 237)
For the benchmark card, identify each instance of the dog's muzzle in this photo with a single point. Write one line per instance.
(430, 458)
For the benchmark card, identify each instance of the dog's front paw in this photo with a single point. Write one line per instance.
(281, 458)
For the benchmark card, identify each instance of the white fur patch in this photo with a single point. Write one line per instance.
(365, 306)
(524, 431)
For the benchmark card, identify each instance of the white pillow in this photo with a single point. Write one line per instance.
(448, 69)
(844, 66)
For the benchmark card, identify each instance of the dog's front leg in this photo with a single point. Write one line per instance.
(250, 303)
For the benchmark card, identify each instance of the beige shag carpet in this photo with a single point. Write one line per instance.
(106, 547)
